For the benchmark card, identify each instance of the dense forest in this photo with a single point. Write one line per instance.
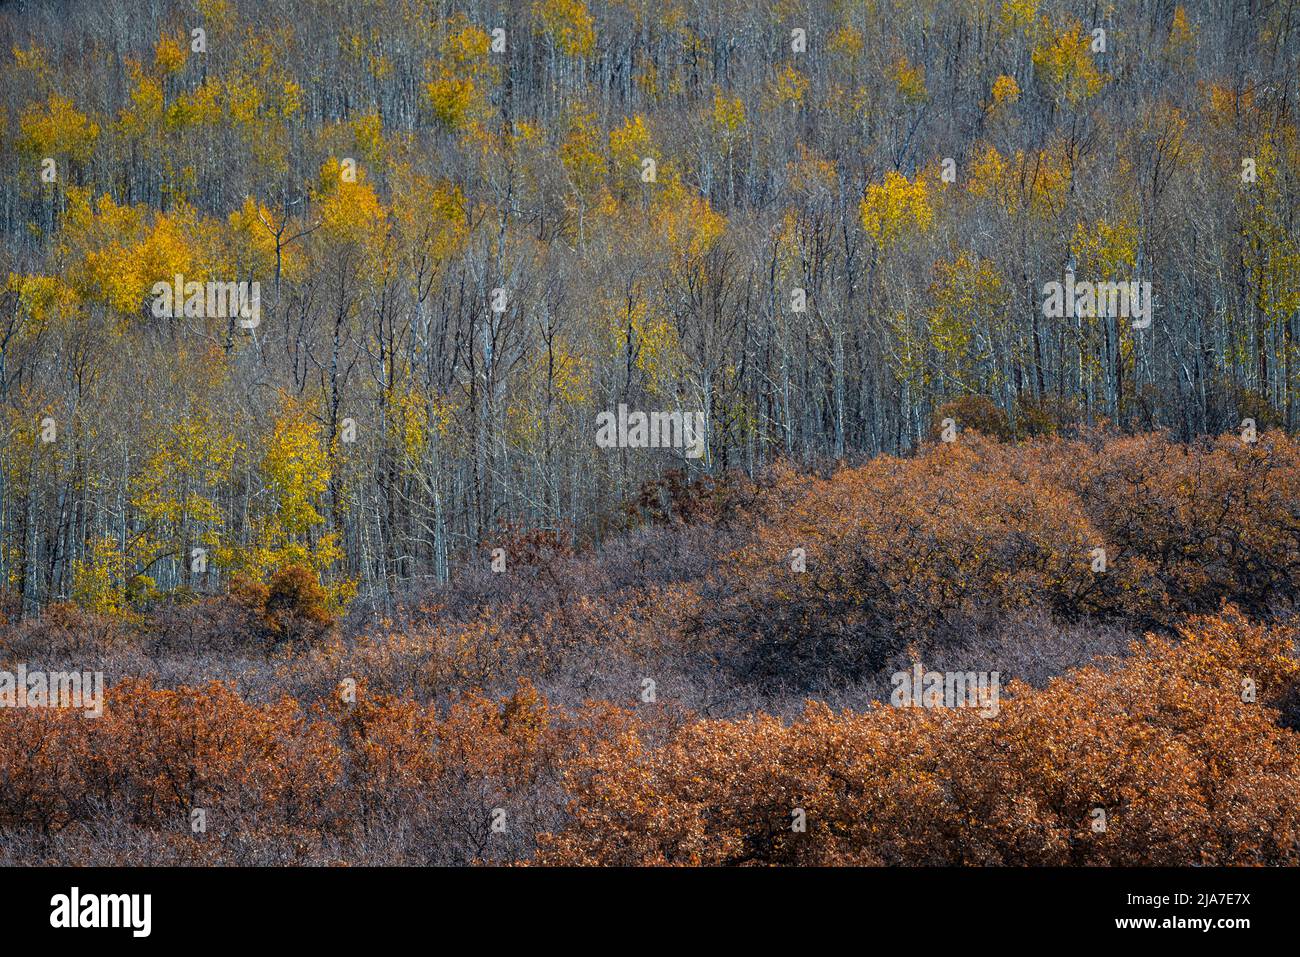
(476, 226)
(969, 328)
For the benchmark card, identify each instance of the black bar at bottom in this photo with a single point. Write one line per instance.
(368, 906)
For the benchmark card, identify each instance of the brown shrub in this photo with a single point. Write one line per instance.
(1193, 524)
(1046, 415)
(346, 774)
(676, 498)
(898, 549)
(297, 605)
(162, 753)
(977, 413)
(929, 545)
(1185, 770)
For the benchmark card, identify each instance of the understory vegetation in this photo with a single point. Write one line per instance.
(517, 698)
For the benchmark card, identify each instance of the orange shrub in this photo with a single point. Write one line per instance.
(1184, 769)
(1195, 523)
(976, 413)
(901, 548)
(297, 606)
(1132, 529)
(163, 753)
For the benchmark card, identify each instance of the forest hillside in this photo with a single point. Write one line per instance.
(349, 285)
(649, 431)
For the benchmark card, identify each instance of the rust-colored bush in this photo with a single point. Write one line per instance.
(343, 774)
(162, 753)
(976, 413)
(1186, 769)
(897, 549)
(1137, 529)
(1195, 524)
(297, 605)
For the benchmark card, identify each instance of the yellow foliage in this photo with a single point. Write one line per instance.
(172, 491)
(1181, 44)
(969, 296)
(789, 86)
(217, 13)
(567, 24)
(1106, 251)
(689, 223)
(909, 79)
(1064, 62)
(170, 54)
(467, 48)
(350, 211)
(297, 470)
(892, 208)
(381, 67)
(202, 107)
(847, 42)
(56, 128)
(457, 91)
(243, 98)
(1272, 253)
(571, 374)
(452, 100)
(1031, 182)
(290, 98)
(629, 145)
(44, 299)
(1005, 90)
(119, 252)
(988, 173)
(728, 116)
(430, 215)
(145, 113)
(164, 252)
(1017, 16)
(659, 353)
(408, 424)
(581, 152)
(32, 60)
(636, 327)
(368, 130)
(252, 230)
(99, 580)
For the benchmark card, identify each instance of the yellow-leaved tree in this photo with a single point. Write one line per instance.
(351, 214)
(567, 24)
(55, 128)
(895, 207)
(175, 494)
(114, 253)
(970, 302)
(288, 531)
(461, 78)
(1064, 62)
